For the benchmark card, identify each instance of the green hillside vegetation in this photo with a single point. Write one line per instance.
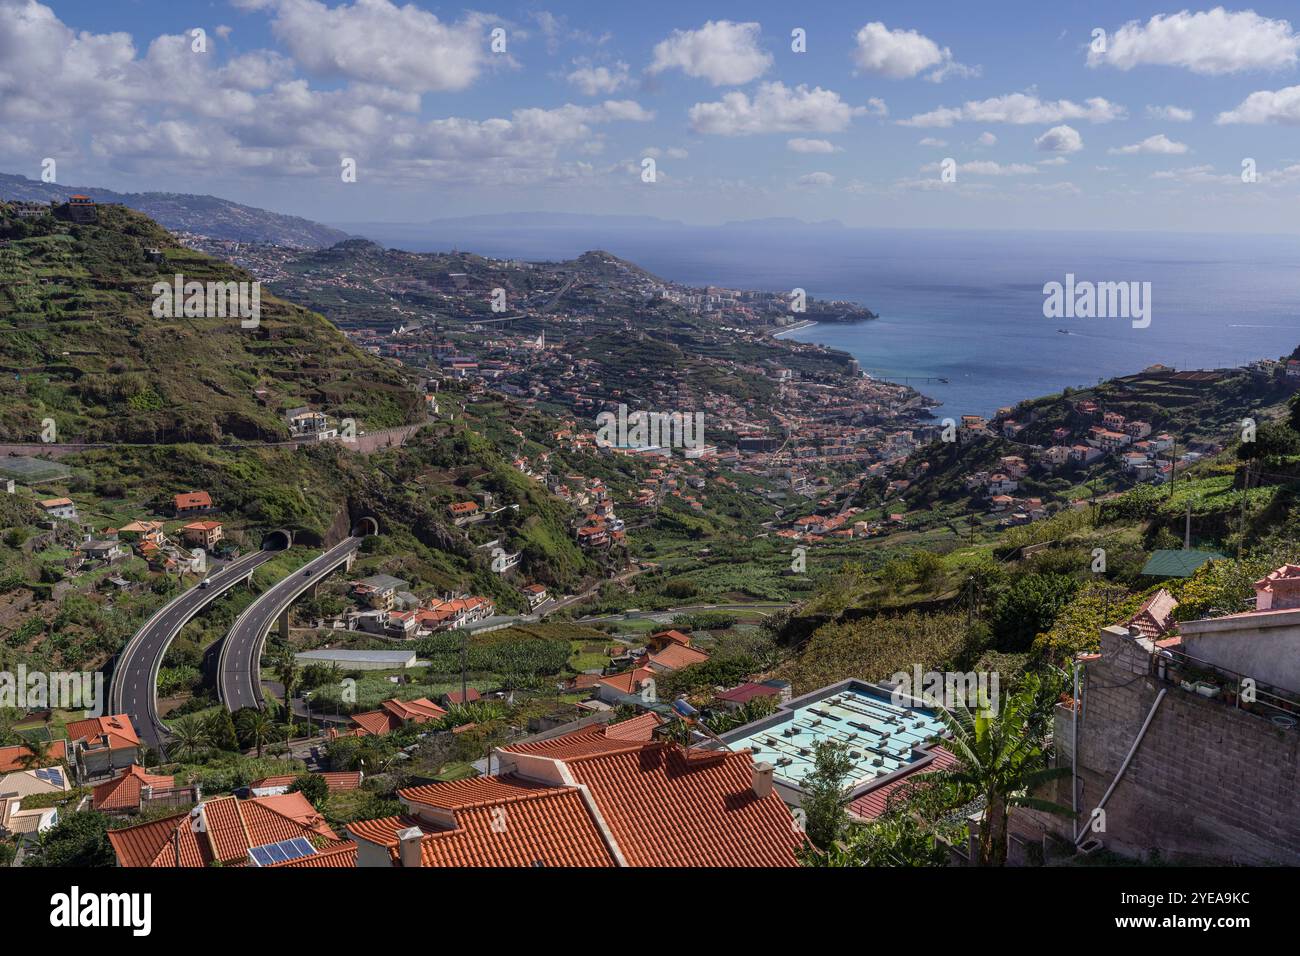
(79, 344)
(993, 606)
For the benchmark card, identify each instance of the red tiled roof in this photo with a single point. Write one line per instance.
(384, 831)
(1156, 615)
(551, 827)
(598, 738)
(337, 781)
(873, 803)
(677, 637)
(471, 695)
(395, 713)
(675, 656)
(669, 807)
(11, 758)
(193, 499)
(747, 692)
(159, 842)
(123, 792)
(231, 827)
(117, 729)
(341, 854)
(628, 681)
(474, 790)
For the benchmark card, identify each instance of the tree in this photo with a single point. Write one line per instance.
(1272, 440)
(1000, 761)
(286, 669)
(188, 736)
(313, 787)
(77, 840)
(825, 802)
(1028, 607)
(892, 840)
(219, 731)
(255, 727)
(38, 753)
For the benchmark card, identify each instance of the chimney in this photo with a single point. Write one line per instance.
(410, 840)
(762, 782)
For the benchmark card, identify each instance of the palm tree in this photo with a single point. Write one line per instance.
(256, 725)
(38, 753)
(1000, 759)
(189, 736)
(286, 669)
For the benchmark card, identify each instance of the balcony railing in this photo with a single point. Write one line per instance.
(1276, 704)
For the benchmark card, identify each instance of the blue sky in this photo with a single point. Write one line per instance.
(1043, 131)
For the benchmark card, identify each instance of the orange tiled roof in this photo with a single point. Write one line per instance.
(677, 637)
(117, 729)
(341, 854)
(667, 807)
(230, 828)
(546, 828)
(455, 794)
(337, 781)
(11, 758)
(598, 738)
(874, 802)
(395, 713)
(123, 792)
(193, 499)
(675, 655)
(500, 821)
(628, 681)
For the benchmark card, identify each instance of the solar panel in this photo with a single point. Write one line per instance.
(281, 852)
(51, 775)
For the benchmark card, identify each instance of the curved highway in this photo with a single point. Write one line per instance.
(135, 677)
(239, 666)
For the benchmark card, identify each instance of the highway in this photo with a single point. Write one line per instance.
(135, 678)
(239, 666)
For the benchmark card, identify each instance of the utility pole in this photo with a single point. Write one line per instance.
(464, 657)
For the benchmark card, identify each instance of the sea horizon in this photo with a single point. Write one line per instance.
(961, 305)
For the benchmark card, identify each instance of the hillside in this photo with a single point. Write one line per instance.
(187, 212)
(80, 345)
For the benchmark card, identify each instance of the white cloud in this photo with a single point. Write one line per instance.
(1196, 175)
(722, 52)
(816, 179)
(1160, 144)
(1054, 161)
(374, 41)
(801, 145)
(1059, 139)
(987, 167)
(932, 141)
(986, 139)
(1172, 114)
(1266, 106)
(1211, 42)
(902, 54)
(167, 110)
(775, 108)
(1020, 109)
(596, 80)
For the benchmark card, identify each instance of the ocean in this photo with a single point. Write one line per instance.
(956, 305)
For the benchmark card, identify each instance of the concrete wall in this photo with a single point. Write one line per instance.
(1209, 782)
(1265, 645)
